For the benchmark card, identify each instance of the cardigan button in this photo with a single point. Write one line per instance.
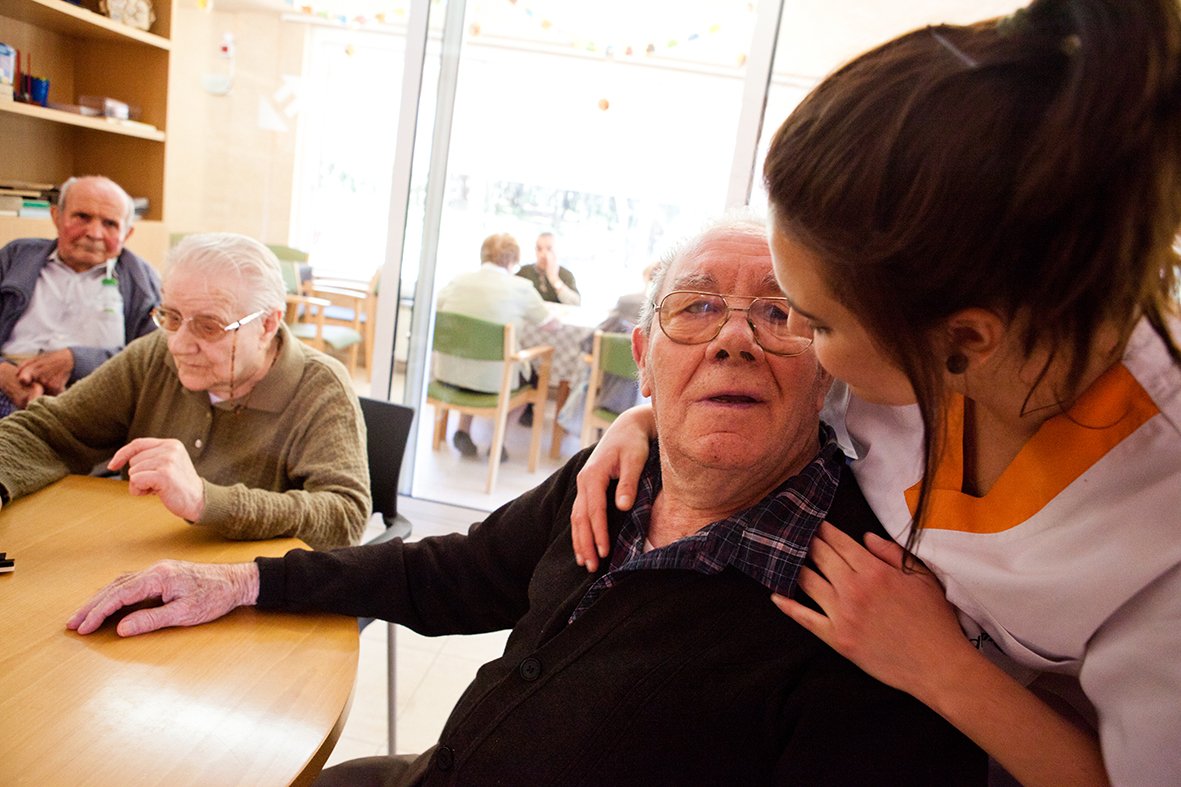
(444, 758)
(198, 442)
(530, 669)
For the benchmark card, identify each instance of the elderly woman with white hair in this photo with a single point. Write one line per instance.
(233, 423)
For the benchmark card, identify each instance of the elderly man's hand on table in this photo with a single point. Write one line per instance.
(193, 593)
(20, 394)
(51, 370)
(162, 467)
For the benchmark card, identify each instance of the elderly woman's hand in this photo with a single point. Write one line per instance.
(620, 454)
(193, 593)
(162, 467)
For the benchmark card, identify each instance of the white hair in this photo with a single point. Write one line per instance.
(742, 221)
(128, 203)
(229, 257)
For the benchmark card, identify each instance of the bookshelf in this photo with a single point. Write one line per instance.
(82, 52)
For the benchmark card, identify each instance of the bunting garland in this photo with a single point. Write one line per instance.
(546, 25)
(355, 13)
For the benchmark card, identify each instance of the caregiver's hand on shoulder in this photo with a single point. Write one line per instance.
(895, 624)
(621, 453)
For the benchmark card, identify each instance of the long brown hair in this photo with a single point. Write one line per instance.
(1030, 165)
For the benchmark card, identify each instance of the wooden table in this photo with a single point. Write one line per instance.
(253, 699)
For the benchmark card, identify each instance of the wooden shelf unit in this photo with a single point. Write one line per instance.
(83, 53)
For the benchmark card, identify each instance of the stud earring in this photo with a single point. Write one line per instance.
(957, 363)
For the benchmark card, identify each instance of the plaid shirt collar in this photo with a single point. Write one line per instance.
(768, 541)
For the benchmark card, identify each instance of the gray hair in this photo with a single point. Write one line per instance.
(128, 202)
(738, 222)
(229, 257)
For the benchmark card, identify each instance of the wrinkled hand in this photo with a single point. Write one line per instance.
(193, 593)
(896, 625)
(17, 392)
(162, 467)
(52, 370)
(620, 454)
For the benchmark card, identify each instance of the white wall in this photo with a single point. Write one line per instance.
(226, 171)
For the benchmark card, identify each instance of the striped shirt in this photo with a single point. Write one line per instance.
(767, 542)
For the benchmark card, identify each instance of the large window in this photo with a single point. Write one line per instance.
(610, 124)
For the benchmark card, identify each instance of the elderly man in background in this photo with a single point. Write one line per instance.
(233, 423)
(553, 283)
(66, 305)
(670, 666)
(491, 293)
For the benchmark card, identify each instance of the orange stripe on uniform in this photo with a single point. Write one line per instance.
(1064, 448)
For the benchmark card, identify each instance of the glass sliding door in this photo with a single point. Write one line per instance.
(609, 124)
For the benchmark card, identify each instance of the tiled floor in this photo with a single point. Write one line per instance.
(432, 672)
(445, 476)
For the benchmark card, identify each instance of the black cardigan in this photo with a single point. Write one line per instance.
(670, 677)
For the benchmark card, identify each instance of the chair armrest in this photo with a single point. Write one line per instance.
(343, 292)
(529, 353)
(307, 300)
(395, 527)
(314, 313)
(344, 284)
(545, 354)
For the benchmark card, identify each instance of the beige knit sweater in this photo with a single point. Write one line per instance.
(291, 462)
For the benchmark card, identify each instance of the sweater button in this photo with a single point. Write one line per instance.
(198, 442)
(444, 758)
(530, 669)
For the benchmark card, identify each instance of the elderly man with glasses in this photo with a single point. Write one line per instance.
(234, 424)
(670, 665)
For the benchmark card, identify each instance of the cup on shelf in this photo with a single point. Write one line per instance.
(39, 90)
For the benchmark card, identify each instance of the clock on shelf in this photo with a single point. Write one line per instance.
(133, 13)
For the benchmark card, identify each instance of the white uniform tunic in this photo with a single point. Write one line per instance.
(1071, 564)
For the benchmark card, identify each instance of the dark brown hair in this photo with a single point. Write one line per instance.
(1030, 165)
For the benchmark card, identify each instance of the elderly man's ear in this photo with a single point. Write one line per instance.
(640, 356)
(823, 383)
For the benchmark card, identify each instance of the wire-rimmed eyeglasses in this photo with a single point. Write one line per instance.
(690, 317)
(202, 326)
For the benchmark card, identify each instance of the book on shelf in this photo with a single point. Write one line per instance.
(34, 208)
(7, 71)
(27, 190)
(24, 184)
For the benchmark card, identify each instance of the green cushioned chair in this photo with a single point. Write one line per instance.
(479, 340)
(611, 353)
(306, 318)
